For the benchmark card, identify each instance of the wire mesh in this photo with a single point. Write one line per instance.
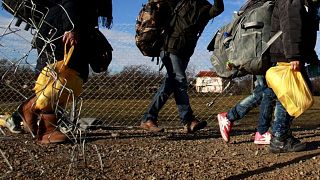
(120, 96)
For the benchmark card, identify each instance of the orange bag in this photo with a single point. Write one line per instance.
(57, 84)
(290, 88)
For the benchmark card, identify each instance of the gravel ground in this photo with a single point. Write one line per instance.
(135, 154)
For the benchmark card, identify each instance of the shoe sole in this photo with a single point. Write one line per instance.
(273, 150)
(261, 142)
(152, 129)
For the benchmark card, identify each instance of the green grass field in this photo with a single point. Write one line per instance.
(129, 112)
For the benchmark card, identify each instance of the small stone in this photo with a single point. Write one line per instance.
(115, 134)
(256, 153)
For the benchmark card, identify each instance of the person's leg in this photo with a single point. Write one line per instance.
(262, 136)
(226, 119)
(180, 89)
(248, 103)
(265, 111)
(162, 94)
(244, 106)
(150, 118)
(282, 120)
(159, 99)
(282, 138)
(306, 78)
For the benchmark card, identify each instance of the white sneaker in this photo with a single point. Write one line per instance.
(9, 122)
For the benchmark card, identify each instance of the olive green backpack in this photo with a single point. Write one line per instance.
(241, 46)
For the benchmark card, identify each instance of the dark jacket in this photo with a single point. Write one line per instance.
(298, 22)
(185, 32)
(81, 17)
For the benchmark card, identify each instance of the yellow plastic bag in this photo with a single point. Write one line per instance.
(57, 84)
(3, 120)
(290, 88)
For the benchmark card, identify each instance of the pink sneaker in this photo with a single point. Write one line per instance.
(262, 139)
(225, 126)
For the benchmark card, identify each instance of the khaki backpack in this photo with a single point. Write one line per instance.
(151, 25)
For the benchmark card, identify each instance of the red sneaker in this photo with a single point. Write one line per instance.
(262, 139)
(225, 126)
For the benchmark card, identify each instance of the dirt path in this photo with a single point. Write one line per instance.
(134, 154)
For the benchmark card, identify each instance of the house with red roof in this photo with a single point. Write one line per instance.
(209, 81)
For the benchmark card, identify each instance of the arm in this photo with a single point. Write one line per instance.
(105, 12)
(291, 26)
(217, 8)
(70, 21)
(70, 18)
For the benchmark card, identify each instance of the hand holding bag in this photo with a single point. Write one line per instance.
(290, 88)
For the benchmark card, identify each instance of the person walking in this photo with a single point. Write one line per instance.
(65, 25)
(175, 56)
(258, 97)
(297, 19)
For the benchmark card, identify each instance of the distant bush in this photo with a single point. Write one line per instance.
(132, 82)
(16, 81)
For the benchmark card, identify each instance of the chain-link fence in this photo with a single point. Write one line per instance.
(120, 96)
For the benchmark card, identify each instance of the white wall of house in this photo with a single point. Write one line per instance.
(209, 84)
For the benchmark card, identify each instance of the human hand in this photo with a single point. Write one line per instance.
(295, 65)
(69, 38)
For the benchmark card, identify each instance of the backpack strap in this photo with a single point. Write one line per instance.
(171, 24)
(271, 40)
(254, 24)
(175, 12)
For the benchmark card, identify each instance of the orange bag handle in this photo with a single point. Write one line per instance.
(66, 58)
(67, 55)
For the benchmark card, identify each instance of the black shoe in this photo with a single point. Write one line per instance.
(13, 123)
(286, 144)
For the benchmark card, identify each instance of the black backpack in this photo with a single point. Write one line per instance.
(100, 51)
(189, 20)
(182, 21)
(151, 24)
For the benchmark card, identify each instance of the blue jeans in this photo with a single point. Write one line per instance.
(282, 120)
(266, 108)
(175, 82)
(257, 97)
